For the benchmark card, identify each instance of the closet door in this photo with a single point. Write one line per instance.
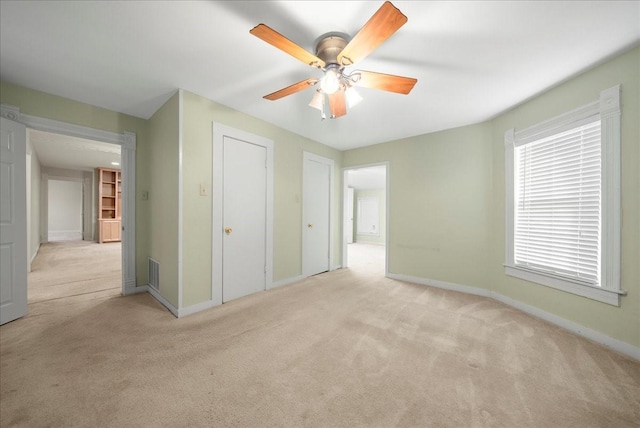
(244, 218)
(317, 172)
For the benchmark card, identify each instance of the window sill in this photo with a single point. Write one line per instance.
(611, 297)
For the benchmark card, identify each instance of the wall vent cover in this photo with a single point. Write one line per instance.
(154, 274)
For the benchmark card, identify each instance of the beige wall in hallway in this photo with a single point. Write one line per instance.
(50, 106)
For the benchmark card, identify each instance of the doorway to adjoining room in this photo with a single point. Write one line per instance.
(64, 191)
(365, 218)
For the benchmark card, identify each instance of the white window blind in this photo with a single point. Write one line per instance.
(558, 203)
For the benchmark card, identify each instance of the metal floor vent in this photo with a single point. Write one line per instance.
(154, 274)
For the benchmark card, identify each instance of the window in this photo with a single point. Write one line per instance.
(563, 201)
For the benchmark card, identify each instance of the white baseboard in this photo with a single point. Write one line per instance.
(361, 241)
(162, 300)
(601, 338)
(294, 279)
(286, 281)
(131, 287)
(65, 235)
(35, 253)
(610, 342)
(441, 284)
(129, 290)
(183, 312)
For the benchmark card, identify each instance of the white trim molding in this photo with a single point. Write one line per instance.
(127, 141)
(476, 291)
(306, 157)
(128, 160)
(601, 338)
(509, 187)
(286, 281)
(65, 235)
(58, 127)
(162, 300)
(180, 197)
(610, 250)
(217, 212)
(345, 185)
(189, 310)
(608, 111)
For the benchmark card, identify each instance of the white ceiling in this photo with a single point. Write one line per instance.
(368, 178)
(473, 59)
(60, 151)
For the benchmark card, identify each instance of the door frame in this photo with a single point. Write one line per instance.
(217, 210)
(308, 156)
(127, 142)
(345, 185)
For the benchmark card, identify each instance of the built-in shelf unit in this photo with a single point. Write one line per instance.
(109, 205)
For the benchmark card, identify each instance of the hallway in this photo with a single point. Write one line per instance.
(67, 272)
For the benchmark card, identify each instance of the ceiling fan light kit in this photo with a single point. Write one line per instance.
(330, 82)
(333, 53)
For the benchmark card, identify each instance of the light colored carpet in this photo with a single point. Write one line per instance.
(67, 269)
(348, 348)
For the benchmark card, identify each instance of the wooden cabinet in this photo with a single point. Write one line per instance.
(109, 204)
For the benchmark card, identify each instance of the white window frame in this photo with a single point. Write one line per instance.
(608, 109)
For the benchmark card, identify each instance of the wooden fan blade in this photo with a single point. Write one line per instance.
(379, 28)
(337, 104)
(281, 42)
(385, 82)
(292, 89)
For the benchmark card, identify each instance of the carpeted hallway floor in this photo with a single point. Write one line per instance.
(68, 269)
(348, 348)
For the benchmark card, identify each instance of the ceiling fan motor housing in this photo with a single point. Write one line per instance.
(329, 47)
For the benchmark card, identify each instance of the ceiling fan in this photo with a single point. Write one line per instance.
(334, 53)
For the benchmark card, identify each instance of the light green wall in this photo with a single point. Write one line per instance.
(382, 201)
(49, 106)
(622, 322)
(446, 196)
(163, 188)
(197, 153)
(439, 200)
(198, 115)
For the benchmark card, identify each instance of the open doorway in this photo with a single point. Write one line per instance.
(65, 261)
(365, 237)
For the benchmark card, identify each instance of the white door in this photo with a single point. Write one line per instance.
(244, 218)
(316, 214)
(13, 225)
